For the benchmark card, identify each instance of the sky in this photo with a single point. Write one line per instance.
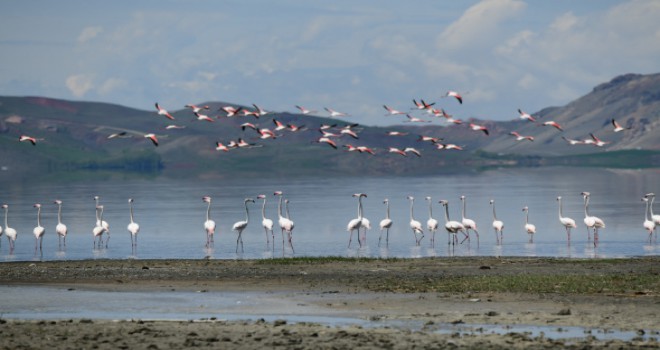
(351, 56)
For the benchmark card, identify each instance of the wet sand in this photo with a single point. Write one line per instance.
(428, 293)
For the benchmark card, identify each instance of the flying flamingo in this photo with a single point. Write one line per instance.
(521, 137)
(196, 109)
(392, 111)
(422, 105)
(356, 224)
(278, 125)
(304, 110)
(618, 127)
(327, 141)
(99, 229)
(25, 138)
(526, 116)
(260, 111)
(529, 228)
(598, 142)
(163, 112)
(476, 127)
(455, 95)
(220, 147)
(396, 133)
(412, 119)
(497, 225)
(9, 232)
(231, 111)
(133, 227)
(566, 221)
(649, 225)
(429, 139)
(553, 123)
(209, 225)
(172, 126)
(239, 226)
(431, 223)
(119, 135)
(295, 128)
(415, 225)
(284, 223)
(469, 224)
(591, 221)
(385, 223)
(60, 229)
(572, 141)
(397, 151)
(413, 151)
(39, 230)
(334, 113)
(153, 138)
(266, 222)
(203, 117)
(452, 227)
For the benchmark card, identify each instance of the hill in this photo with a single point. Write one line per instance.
(73, 136)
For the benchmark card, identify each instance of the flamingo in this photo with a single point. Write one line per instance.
(566, 221)
(9, 232)
(304, 110)
(654, 217)
(529, 228)
(521, 137)
(618, 127)
(455, 95)
(385, 223)
(100, 221)
(221, 147)
(553, 123)
(649, 225)
(413, 151)
(60, 229)
(99, 229)
(295, 128)
(119, 135)
(266, 222)
(290, 229)
(162, 111)
(203, 117)
(526, 116)
(451, 226)
(415, 225)
(334, 113)
(231, 111)
(347, 131)
(469, 224)
(278, 125)
(133, 227)
(429, 139)
(598, 142)
(422, 105)
(397, 151)
(431, 223)
(25, 138)
(209, 225)
(326, 141)
(153, 138)
(172, 126)
(284, 223)
(38, 230)
(239, 226)
(497, 225)
(356, 224)
(412, 119)
(573, 142)
(591, 221)
(396, 133)
(476, 127)
(196, 109)
(260, 111)
(392, 111)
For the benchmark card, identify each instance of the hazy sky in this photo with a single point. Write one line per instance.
(353, 56)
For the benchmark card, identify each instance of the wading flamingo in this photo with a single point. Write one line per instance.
(99, 229)
(592, 222)
(266, 222)
(529, 228)
(649, 225)
(385, 223)
(9, 232)
(452, 227)
(209, 225)
(60, 229)
(284, 223)
(469, 224)
(431, 223)
(566, 221)
(415, 225)
(239, 226)
(133, 227)
(497, 225)
(38, 231)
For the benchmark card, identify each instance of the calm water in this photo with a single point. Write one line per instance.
(171, 215)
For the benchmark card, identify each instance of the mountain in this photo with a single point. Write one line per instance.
(72, 136)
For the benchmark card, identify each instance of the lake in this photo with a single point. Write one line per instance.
(171, 215)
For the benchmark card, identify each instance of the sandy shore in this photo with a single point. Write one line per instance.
(619, 294)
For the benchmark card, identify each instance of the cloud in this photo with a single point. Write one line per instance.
(79, 84)
(111, 85)
(88, 34)
(479, 24)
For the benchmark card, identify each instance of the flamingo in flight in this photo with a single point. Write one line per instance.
(521, 137)
(61, 228)
(25, 138)
(196, 109)
(119, 135)
(334, 113)
(203, 117)
(326, 141)
(566, 221)
(455, 95)
(304, 110)
(413, 151)
(172, 126)
(392, 111)
(476, 127)
(412, 119)
(598, 142)
(526, 116)
(429, 139)
(553, 124)
(260, 111)
(422, 105)
(618, 127)
(231, 111)
(221, 147)
(396, 133)
(572, 142)
(295, 128)
(162, 111)
(153, 138)
(278, 125)
(397, 151)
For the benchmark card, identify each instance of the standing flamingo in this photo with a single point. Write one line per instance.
(469, 224)
(497, 225)
(39, 230)
(654, 217)
(649, 225)
(101, 222)
(452, 227)
(415, 225)
(431, 223)
(292, 225)
(385, 223)
(99, 229)
(284, 223)
(239, 226)
(133, 227)
(529, 228)
(9, 232)
(591, 221)
(566, 221)
(266, 222)
(60, 229)
(356, 223)
(209, 225)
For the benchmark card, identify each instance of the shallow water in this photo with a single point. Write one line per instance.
(171, 215)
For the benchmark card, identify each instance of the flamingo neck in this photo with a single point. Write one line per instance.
(6, 215)
(494, 216)
(646, 212)
(387, 211)
(130, 205)
(279, 208)
(560, 211)
(586, 206)
(39, 216)
(463, 210)
(263, 209)
(247, 214)
(359, 207)
(526, 217)
(430, 209)
(411, 209)
(446, 213)
(208, 212)
(59, 213)
(651, 206)
(286, 206)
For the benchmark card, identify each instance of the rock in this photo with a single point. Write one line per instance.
(492, 313)
(564, 312)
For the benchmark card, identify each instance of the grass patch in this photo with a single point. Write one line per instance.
(318, 260)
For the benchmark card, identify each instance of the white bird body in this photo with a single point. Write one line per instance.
(431, 223)
(9, 231)
(654, 217)
(498, 225)
(286, 225)
(239, 226)
(39, 230)
(529, 228)
(649, 225)
(386, 223)
(101, 222)
(99, 229)
(415, 225)
(566, 221)
(356, 224)
(592, 222)
(133, 227)
(209, 225)
(469, 224)
(266, 222)
(452, 227)
(61, 228)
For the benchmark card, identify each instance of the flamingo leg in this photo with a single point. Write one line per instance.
(350, 239)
